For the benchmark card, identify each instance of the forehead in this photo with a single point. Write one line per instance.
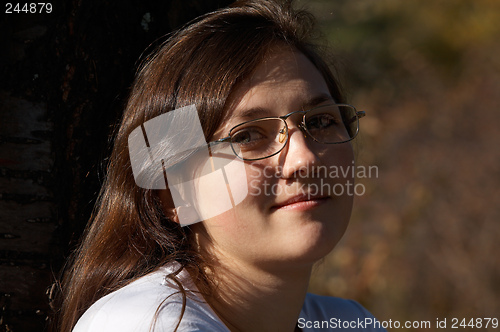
(286, 81)
(282, 66)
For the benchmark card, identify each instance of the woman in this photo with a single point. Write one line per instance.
(266, 102)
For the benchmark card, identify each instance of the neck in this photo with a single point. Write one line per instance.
(250, 298)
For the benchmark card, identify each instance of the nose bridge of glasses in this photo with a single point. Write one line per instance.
(286, 116)
(300, 125)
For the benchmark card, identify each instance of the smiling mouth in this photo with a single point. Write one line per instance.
(301, 202)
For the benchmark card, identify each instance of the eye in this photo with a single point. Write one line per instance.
(321, 121)
(247, 136)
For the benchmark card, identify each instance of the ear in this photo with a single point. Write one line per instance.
(183, 214)
(168, 205)
(186, 215)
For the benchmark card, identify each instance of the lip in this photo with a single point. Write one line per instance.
(301, 202)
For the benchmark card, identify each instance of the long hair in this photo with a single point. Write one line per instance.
(129, 234)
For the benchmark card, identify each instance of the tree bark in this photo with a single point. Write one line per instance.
(64, 79)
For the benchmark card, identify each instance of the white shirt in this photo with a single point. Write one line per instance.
(153, 303)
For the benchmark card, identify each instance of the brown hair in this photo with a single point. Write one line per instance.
(129, 234)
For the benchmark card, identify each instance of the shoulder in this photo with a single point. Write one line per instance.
(150, 304)
(326, 313)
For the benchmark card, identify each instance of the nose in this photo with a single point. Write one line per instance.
(298, 158)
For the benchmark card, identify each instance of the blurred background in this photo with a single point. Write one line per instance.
(423, 242)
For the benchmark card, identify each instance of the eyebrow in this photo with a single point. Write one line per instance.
(315, 101)
(253, 113)
(259, 112)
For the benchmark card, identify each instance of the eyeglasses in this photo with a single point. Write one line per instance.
(265, 137)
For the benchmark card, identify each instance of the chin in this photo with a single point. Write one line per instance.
(313, 242)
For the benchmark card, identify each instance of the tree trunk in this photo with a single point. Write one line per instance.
(63, 82)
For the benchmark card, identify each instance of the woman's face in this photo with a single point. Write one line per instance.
(268, 228)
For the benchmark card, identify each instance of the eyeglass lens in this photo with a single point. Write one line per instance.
(262, 138)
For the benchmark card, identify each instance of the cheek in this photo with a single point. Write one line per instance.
(344, 153)
(257, 179)
(221, 185)
(340, 159)
(245, 220)
(235, 232)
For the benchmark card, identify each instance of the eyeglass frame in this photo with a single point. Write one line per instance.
(302, 126)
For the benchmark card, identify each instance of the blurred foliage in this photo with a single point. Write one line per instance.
(423, 240)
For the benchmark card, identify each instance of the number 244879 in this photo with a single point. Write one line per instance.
(28, 8)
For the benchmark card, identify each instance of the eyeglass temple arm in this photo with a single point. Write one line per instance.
(359, 115)
(221, 140)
